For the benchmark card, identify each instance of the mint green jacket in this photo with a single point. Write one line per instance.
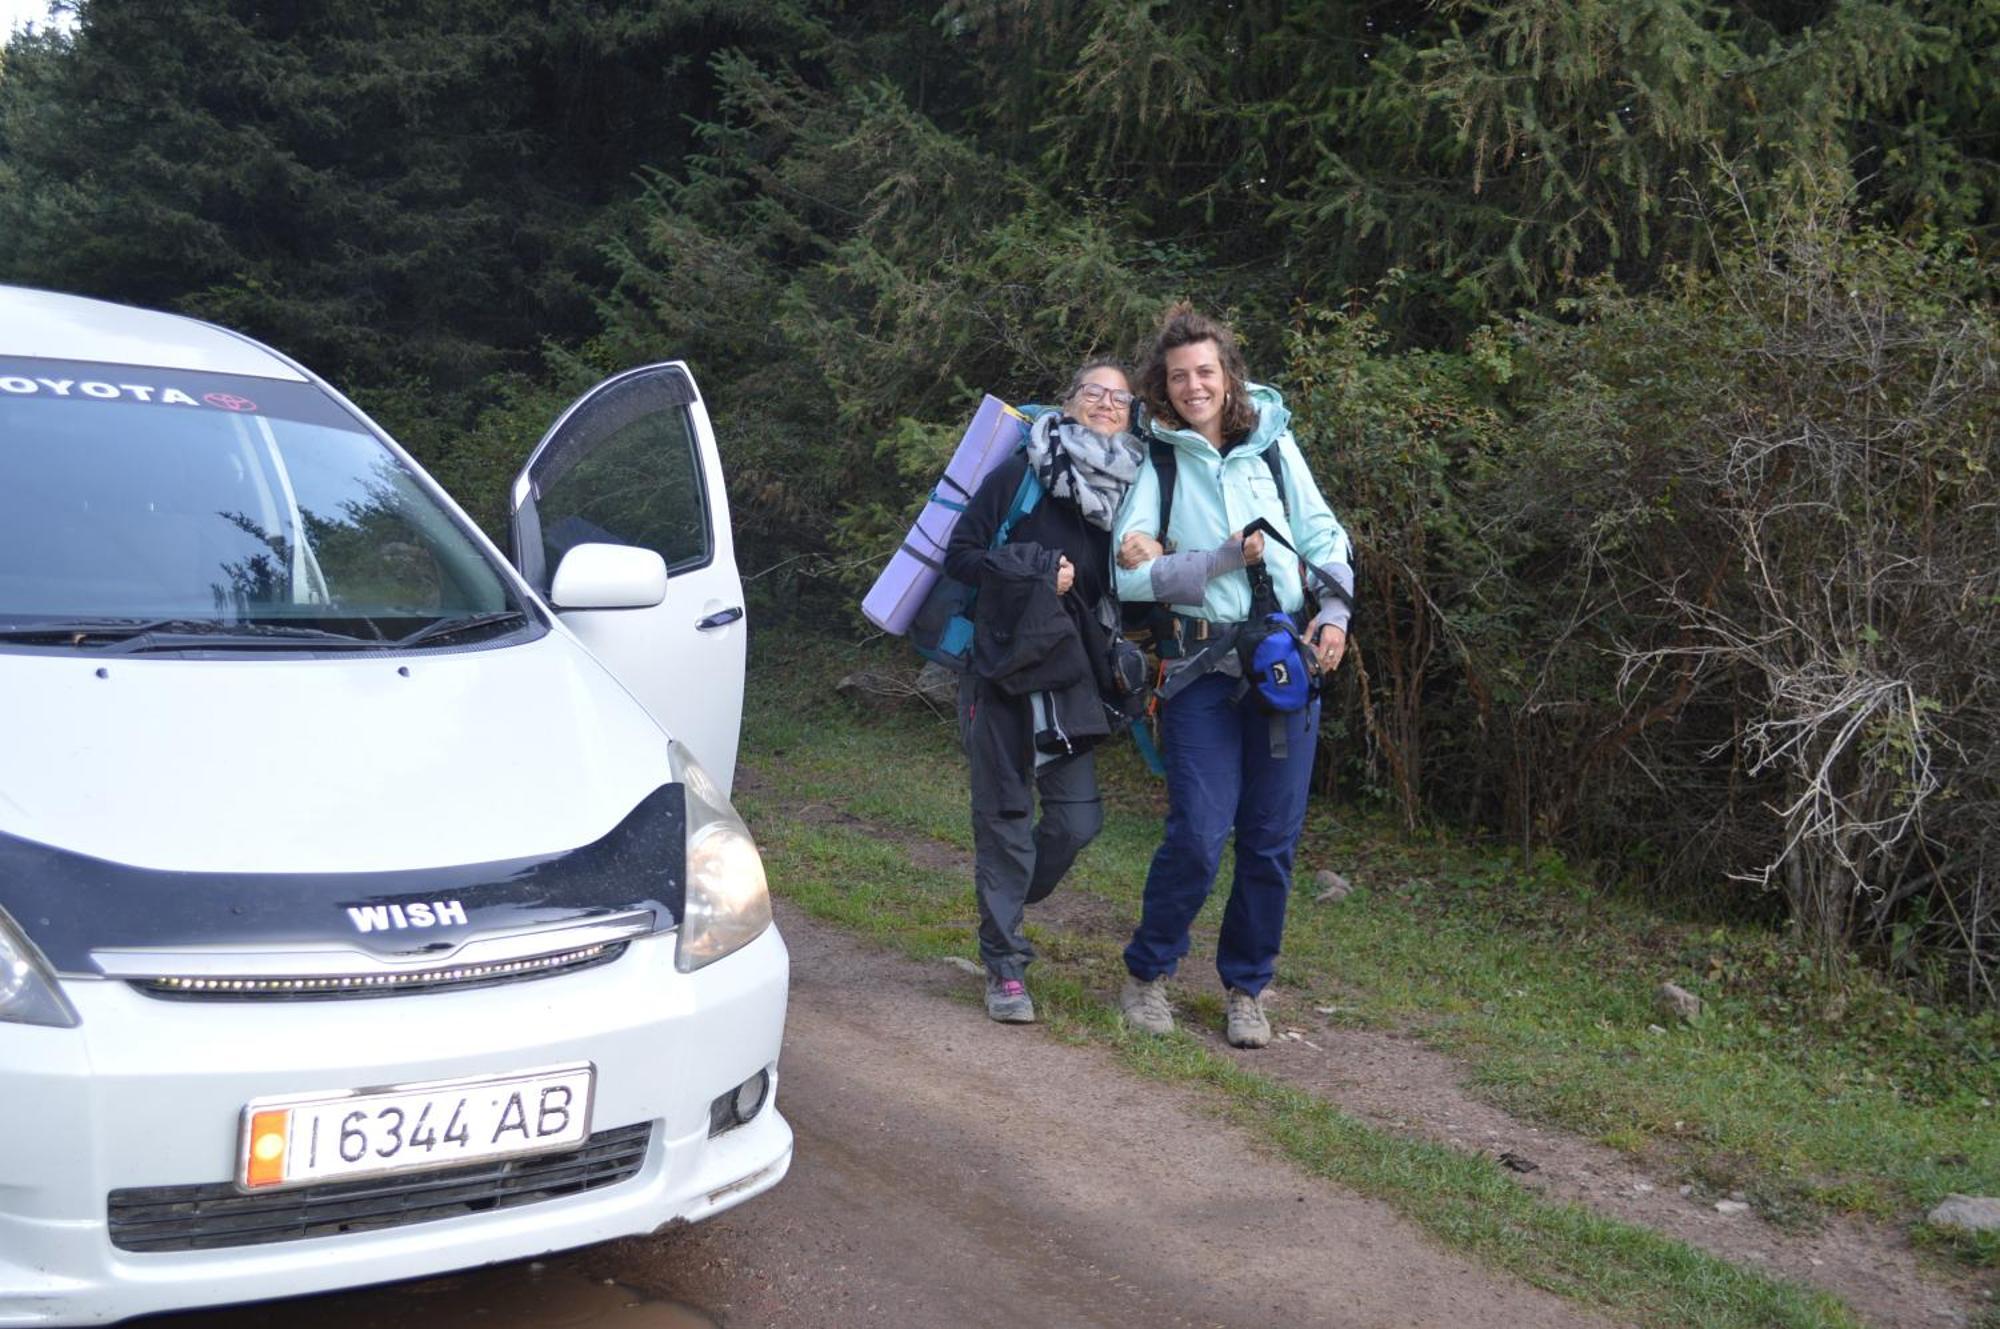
(1216, 496)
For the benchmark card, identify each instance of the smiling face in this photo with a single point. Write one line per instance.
(1103, 415)
(1197, 387)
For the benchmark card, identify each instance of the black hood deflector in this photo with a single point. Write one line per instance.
(71, 904)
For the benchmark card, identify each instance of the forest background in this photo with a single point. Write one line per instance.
(1646, 347)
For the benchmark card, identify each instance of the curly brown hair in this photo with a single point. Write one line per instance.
(1181, 326)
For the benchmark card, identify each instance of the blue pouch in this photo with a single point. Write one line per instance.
(1279, 669)
(1278, 666)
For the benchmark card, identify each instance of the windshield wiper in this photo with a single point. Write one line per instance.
(76, 631)
(131, 636)
(118, 631)
(179, 634)
(124, 636)
(451, 627)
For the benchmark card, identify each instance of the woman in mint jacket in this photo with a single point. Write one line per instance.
(1230, 765)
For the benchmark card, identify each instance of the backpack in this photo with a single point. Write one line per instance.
(942, 629)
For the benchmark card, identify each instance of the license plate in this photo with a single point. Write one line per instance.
(307, 1138)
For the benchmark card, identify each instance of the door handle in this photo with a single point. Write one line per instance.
(720, 618)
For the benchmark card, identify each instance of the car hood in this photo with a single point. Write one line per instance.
(356, 763)
(183, 802)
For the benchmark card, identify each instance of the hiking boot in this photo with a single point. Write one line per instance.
(1247, 1026)
(1144, 1004)
(1007, 1001)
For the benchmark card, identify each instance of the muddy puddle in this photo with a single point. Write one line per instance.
(529, 1295)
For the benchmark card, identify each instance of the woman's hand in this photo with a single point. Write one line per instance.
(1137, 548)
(1065, 575)
(1253, 548)
(1330, 643)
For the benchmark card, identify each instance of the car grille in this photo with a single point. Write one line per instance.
(206, 1217)
(321, 987)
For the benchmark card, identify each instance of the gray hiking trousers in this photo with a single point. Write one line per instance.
(1017, 860)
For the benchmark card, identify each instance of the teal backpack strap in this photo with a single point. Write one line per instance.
(955, 504)
(1026, 496)
(943, 627)
(1149, 751)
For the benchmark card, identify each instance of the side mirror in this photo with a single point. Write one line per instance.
(594, 576)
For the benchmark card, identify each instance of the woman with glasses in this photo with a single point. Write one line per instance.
(1232, 766)
(1055, 560)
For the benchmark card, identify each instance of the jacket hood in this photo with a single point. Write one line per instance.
(1273, 418)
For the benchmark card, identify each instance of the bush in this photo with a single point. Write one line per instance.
(1704, 583)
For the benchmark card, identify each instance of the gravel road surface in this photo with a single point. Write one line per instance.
(951, 1171)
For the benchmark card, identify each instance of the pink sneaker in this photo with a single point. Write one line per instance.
(1007, 1001)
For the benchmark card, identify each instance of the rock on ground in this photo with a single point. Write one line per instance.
(1676, 1003)
(933, 685)
(937, 685)
(1968, 1213)
(1332, 886)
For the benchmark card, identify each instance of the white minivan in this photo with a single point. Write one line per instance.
(370, 905)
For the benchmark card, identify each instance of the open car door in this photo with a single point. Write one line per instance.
(633, 462)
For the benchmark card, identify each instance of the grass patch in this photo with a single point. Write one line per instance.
(1465, 1201)
(850, 877)
(1808, 1096)
(1981, 1248)
(1809, 1099)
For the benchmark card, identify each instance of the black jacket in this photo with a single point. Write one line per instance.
(1024, 639)
(1054, 524)
(1028, 640)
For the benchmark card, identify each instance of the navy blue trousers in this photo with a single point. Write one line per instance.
(1221, 777)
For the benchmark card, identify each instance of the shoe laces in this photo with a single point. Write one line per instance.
(1013, 987)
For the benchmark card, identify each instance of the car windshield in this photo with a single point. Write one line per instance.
(143, 505)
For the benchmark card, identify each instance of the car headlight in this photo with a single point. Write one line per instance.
(728, 905)
(28, 991)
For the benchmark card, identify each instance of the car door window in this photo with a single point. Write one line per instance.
(625, 469)
(634, 461)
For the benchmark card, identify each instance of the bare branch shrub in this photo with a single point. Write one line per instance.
(1852, 453)
(1704, 584)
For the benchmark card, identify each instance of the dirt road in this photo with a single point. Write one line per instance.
(954, 1172)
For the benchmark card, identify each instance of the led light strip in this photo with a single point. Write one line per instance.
(334, 983)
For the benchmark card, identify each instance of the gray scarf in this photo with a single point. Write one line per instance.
(1091, 470)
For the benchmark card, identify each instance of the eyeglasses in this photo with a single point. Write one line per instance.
(1096, 394)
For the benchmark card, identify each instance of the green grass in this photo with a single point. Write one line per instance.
(1807, 1096)
(1545, 991)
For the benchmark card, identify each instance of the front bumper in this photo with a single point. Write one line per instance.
(149, 1092)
